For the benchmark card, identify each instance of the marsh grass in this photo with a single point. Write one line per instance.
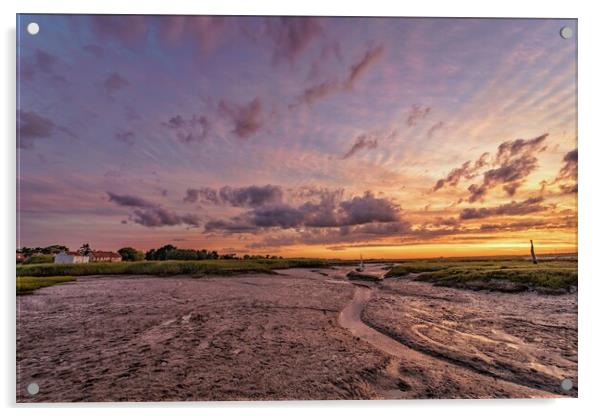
(554, 274)
(168, 267)
(39, 259)
(28, 284)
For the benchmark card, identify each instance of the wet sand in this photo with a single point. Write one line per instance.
(302, 334)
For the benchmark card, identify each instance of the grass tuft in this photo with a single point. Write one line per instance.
(28, 284)
(510, 275)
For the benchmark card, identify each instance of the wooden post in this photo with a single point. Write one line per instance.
(533, 253)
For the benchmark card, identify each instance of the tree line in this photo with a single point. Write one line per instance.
(171, 252)
(53, 249)
(166, 252)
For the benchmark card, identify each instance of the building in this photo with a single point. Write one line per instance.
(67, 257)
(105, 256)
(20, 257)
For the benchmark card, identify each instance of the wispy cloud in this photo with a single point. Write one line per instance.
(435, 128)
(327, 88)
(362, 141)
(417, 113)
(468, 170)
(32, 127)
(189, 130)
(291, 36)
(246, 119)
(370, 57)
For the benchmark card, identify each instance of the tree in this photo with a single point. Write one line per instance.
(130, 254)
(163, 252)
(85, 249)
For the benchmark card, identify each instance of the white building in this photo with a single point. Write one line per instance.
(66, 257)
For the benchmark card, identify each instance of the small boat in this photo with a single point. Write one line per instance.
(360, 268)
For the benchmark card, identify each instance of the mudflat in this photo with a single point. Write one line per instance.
(299, 334)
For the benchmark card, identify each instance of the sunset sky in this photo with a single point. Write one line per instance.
(329, 137)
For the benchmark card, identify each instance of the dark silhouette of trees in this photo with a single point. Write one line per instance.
(170, 252)
(53, 249)
(130, 254)
(85, 249)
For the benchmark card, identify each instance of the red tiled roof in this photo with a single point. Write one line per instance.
(105, 254)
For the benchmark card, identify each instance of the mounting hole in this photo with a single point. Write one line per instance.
(566, 32)
(33, 28)
(566, 384)
(33, 388)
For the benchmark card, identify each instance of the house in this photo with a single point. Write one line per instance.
(20, 257)
(107, 256)
(65, 257)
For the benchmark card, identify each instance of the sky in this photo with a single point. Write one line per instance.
(298, 136)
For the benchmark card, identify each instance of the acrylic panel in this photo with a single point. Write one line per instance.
(295, 208)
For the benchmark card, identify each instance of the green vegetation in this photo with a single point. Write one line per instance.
(170, 252)
(168, 267)
(32, 251)
(130, 254)
(353, 275)
(28, 284)
(498, 274)
(39, 259)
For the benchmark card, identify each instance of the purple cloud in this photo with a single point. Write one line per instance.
(468, 170)
(361, 142)
(126, 137)
(246, 119)
(434, 128)
(527, 206)
(149, 214)
(204, 32)
(249, 196)
(45, 61)
(417, 113)
(115, 82)
(324, 89)
(130, 30)
(370, 57)
(32, 126)
(292, 36)
(317, 92)
(569, 169)
(329, 211)
(514, 161)
(195, 129)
